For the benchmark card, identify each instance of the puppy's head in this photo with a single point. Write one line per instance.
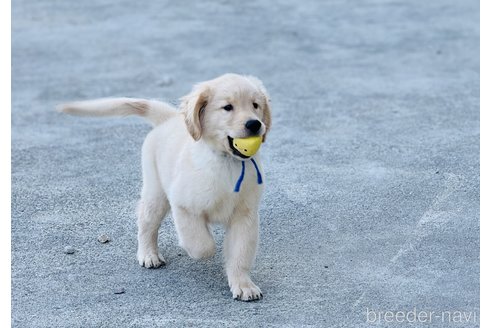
(230, 106)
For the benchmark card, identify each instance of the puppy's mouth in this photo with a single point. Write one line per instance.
(234, 150)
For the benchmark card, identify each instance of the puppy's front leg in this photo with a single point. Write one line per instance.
(193, 233)
(240, 246)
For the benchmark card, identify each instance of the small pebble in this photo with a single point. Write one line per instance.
(103, 239)
(119, 291)
(326, 267)
(69, 250)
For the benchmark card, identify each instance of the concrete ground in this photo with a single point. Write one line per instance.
(372, 165)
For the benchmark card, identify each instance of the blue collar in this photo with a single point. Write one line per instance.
(241, 177)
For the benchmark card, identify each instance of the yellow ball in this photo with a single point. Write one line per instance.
(247, 146)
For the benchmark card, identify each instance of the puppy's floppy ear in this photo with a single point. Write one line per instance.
(192, 106)
(267, 115)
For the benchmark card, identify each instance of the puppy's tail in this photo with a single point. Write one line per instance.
(154, 111)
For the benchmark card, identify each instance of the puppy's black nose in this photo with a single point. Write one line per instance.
(253, 125)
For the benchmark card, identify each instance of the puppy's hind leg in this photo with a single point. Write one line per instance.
(152, 208)
(151, 211)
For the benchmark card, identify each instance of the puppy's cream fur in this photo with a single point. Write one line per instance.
(190, 170)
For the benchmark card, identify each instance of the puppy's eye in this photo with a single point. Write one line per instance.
(228, 107)
(255, 105)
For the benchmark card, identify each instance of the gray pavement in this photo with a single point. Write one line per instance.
(372, 164)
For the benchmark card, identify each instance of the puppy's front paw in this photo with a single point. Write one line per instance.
(150, 260)
(246, 291)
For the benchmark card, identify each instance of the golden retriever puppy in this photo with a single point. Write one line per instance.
(191, 168)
